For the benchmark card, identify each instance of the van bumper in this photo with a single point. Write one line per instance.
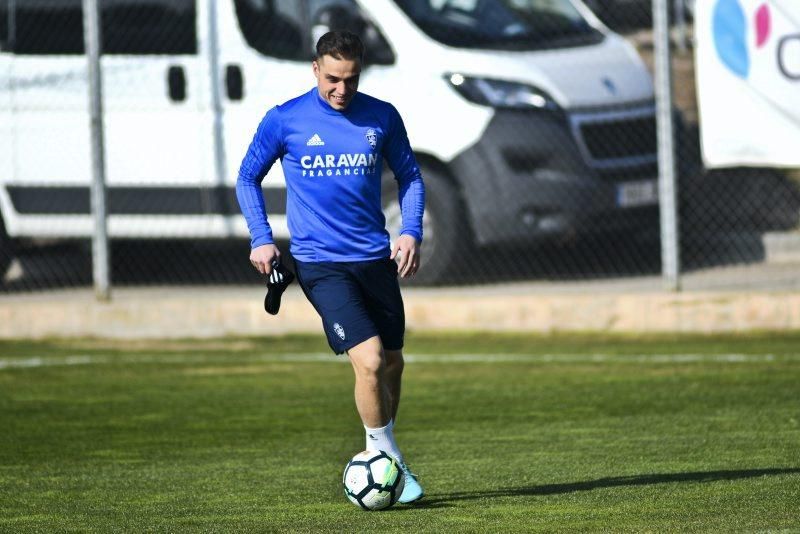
(529, 179)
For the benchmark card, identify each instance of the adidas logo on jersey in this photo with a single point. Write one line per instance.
(315, 140)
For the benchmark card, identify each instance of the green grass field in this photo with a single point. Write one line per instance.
(508, 433)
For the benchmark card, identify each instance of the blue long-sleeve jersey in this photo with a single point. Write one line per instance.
(332, 162)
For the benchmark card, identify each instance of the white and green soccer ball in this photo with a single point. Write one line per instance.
(373, 480)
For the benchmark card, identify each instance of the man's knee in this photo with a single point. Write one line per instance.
(394, 361)
(367, 358)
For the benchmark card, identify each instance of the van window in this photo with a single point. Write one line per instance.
(272, 27)
(149, 27)
(48, 27)
(128, 27)
(502, 24)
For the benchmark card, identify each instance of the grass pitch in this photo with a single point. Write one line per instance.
(508, 433)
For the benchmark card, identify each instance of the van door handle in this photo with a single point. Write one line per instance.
(234, 82)
(176, 82)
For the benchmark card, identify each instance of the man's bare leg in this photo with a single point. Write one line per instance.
(394, 375)
(371, 392)
(372, 396)
(412, 490)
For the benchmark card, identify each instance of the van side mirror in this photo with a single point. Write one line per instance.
(269, 31)
(377, 49)
(337, 17)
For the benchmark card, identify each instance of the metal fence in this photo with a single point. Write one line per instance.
(532, 174)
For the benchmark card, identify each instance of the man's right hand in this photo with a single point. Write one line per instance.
(262, 257)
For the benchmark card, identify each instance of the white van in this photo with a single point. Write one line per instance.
(530, 119)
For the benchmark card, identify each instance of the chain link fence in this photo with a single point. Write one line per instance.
(534, 126)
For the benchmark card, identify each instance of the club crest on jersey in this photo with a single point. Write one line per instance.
(372, 138)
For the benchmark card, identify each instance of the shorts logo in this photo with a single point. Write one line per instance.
(339, 330)
(372, 138)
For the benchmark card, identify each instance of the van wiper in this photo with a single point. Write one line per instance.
(540, 41)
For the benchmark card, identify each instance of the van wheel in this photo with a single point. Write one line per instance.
(445, 233)
(7, 252)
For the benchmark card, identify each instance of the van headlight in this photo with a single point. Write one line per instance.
(500, 93)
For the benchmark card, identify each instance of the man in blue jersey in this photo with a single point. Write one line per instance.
(332, 142)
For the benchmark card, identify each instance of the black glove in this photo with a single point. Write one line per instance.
(277, 282)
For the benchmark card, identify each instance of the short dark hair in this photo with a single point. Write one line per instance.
(340, 45)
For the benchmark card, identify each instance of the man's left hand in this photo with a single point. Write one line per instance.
(406, 252)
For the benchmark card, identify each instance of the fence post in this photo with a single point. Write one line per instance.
(100, 249)
(679, 12)
(667, 185)
(218, 132)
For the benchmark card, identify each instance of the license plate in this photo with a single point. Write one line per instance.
(642, 193)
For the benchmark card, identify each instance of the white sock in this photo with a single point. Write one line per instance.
(382, 439)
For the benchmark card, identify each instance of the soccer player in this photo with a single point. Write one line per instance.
(332, 142)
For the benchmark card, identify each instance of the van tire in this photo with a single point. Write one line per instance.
(446, 233)
(7, 251)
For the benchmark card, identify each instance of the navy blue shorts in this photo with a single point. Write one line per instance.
(356, 300)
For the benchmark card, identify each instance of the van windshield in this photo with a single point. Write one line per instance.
(502, 24)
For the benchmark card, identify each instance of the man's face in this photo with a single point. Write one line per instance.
(337, 80)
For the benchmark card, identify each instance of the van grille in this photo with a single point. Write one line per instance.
(625, 138)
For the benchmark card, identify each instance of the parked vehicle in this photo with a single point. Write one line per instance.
(530, 119)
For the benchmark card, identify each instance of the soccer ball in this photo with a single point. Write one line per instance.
(373, 480)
